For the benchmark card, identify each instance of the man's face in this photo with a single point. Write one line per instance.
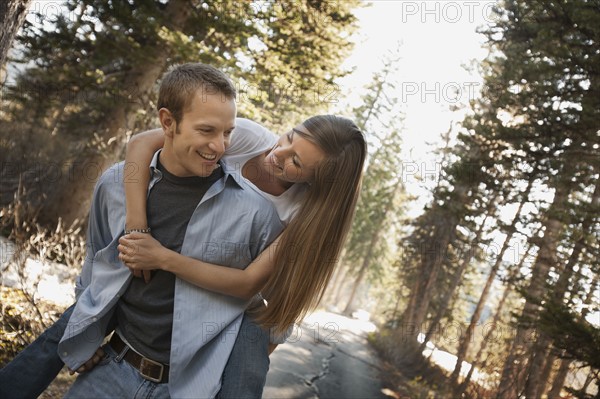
(199, 140)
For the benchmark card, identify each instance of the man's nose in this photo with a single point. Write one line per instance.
(218, 144)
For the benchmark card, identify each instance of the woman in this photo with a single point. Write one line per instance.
(312, 174)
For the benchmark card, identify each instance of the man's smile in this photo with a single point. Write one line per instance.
(208, 157)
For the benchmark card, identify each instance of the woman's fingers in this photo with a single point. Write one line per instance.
(99, 355)
(91, 363)
(127, 254)
(127, 261)
(145, 274)
(126, 249)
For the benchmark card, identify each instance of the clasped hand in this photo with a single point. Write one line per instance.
(140, 253)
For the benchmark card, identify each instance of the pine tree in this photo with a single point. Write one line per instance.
(436, 239)
(303, 47)
(539, 113)
(467, 337)
(467, 257)
(499, 312)
(549, 52)
(380, 201)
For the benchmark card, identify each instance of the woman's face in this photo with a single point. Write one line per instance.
(294, 158)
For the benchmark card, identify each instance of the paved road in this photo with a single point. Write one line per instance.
(327, 357)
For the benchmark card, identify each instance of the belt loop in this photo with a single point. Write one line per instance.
(122, 354)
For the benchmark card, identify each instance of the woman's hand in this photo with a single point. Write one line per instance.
(141, 253)
(90, 364)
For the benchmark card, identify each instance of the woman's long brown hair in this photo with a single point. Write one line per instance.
(311, 243)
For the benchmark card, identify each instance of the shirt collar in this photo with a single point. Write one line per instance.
(229, 172)
(154, 162)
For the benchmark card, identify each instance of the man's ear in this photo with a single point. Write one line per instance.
(167, 121)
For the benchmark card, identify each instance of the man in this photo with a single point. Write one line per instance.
(172, 337)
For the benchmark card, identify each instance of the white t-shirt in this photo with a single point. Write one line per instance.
(250, 139)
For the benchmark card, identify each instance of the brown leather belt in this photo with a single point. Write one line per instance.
(148, 368)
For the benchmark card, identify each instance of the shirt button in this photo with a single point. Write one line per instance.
(65, 353)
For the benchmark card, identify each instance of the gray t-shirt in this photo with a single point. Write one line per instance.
(145, 311)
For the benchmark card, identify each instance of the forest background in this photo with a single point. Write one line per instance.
(491, 255)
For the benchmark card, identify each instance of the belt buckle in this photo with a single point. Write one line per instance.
(144, 365)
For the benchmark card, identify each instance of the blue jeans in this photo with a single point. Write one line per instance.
(32, 370)
(36, 366)
(243, 378)
(112, 378)
(245, 374)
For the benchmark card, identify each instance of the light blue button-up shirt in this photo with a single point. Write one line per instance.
(231, 225)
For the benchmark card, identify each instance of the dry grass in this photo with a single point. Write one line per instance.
(23, 317)
(59, 386)
(21, 321)
(65, 244)
(20, 324)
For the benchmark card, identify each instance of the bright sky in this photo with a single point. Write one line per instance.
(438, 38)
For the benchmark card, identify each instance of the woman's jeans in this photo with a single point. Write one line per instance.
(245, 374)
(32, 370)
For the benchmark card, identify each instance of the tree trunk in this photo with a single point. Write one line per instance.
(488, 336)
(592, 375)
(12, 16)
(466, 340)
(466, 258)
(432, 253)
(436, 230)
(72, 202)
(561, 375)
(361, 274)
(515, 366)
(548, 367)
(340, 288)
(535, 382)
(540, 352)
(477, 360)
(395, 313)
(559, 379)
(335, 282)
